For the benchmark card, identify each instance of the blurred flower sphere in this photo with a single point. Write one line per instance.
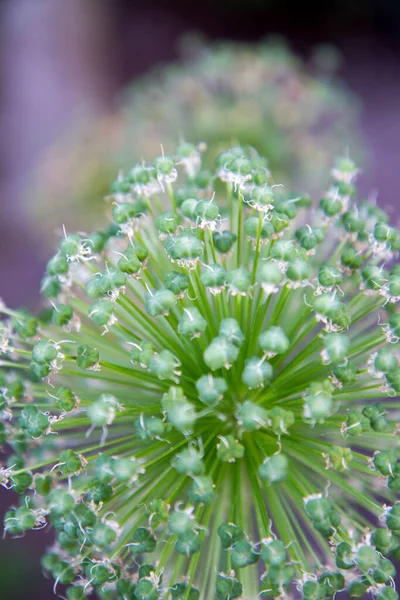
(263, 95)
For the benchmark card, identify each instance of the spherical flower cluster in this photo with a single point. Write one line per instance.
(295, 113)
(204, 409)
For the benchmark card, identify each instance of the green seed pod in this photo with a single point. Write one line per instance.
(344, 556)
(70, 245)
(164, 165)
(142, 541)
(58, 265)
(65, 399)
(351, 259)
(177, 283)
(253, 230)
(357, 588)
(157, 512)
(188, 208)
(163, 365)
(229, 449)
(382, 539)
(104, 468)
(102, 412)
(312, 590)
(274, 468)
(227, 587)
(167, 222)
(125, 212)
(329, 276)
(383, 232)
(61, 502)
(273, 553)
(21, 481)
(308, 238)
(62, 314)
(394, 480)
(230, 330)
(180, 523)
(188, 544)
(102, 312)
(87, 357)
(393, 380)
(220, 353)
(25, 325)
(179, 412)
(103, 535)
(283, 250)
(356, 423)
(129, 262)
(251, 416)
(331, 207)
(100, 492)
(366, 558)
(192, 323)
(269, 276)
(202, 490)
(274, 341)
(336, 347)
(394, 285)
(148, 428)
(184, 248)
(385, 462)
(214, 278)
(160, 302)
(352, 222)
(298, 270)
(44, 352)
(50, 287)
(393, 519)
(373, 277)
(346, 374)
(332, 582)
(387, 593)
(146, 589)
(141, 354)
(189, 462)
(318, 406)
(279, 221)
(243, 554)
(339, 458)
(385, 572)
(43, 485)
(126, 469)
(77, 592)
(385, 360)
(280, 420)
(70, 462)
(318, 508)
(256, 373)
(211, 389)
(182, 591)
(230, 534)
(206, 211)
(239, 281)
(33, 421)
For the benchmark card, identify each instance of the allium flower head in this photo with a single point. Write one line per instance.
(205, 407)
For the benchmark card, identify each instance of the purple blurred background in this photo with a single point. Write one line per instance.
(64, 58)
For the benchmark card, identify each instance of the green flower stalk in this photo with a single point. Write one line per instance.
(297, 114)
(206, 407)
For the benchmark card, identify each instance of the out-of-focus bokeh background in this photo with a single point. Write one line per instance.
(64, 66)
